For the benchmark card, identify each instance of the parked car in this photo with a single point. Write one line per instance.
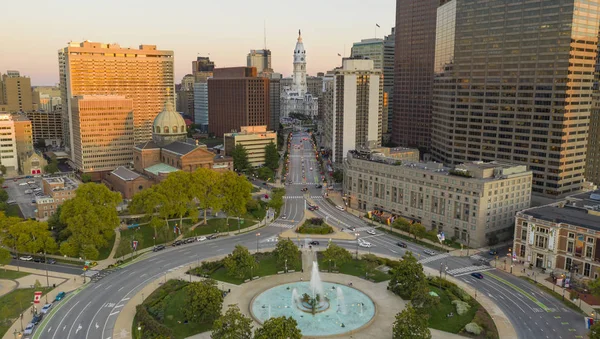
(201, 238)
(36, 259)
(37, 318)
(23, 184)
(401, 244)
(177, 243)
(158, 248)
(340, 208)
(46, 308)
(314, 242)
(31, 182)
(60, 296)
(51, 261)
(319, 185)
(212, 236)
(477, 275)
(4, 186)
(29, 329)
(28, 191)
(189, 240)
(430, 252)
(26, 258)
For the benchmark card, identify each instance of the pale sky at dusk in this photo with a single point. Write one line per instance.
(227, 29)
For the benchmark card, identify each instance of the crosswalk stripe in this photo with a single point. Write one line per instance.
(434, 258)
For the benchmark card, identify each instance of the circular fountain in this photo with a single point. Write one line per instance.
(320, 308)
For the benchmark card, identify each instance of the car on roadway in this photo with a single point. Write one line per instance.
(60, 296)
(4, 186)
(429, 252)
(340, 208)
(477, 275)
(158, 248)
(37, 318)
(46, 308)
(310, 168)
(29, 329)
(283, 216)
(51, 261)
(212, 236)
(314, 242)
(200, 238)
(26, 258)
(364, 244)
(319, 186)
(371, 232)
(189, 240)
(401, 244)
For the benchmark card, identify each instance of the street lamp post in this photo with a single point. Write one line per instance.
(285, 265)
(257, 235)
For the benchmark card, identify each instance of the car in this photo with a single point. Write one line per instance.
(29, 329)
(314, 242)
(60, 296)
(158, 248)
(28, 191)
(264, 183)
(266, 196)
(37, 318)
(304, 189)
(46, 308)
(311, 208)
(31, 182)
(283, 216)
(33, 201)
(201, 238)
(310, 168)
(401, 244)
(493, 251)
(26, 258)
(4, 186)
(364, 244)
(37, 189)
(23, 184)
(430, 252)
(340, 208)
(189, 240)
(51, 261)
(212, 236)
(177, 243)
(36, 259)
(371, 232)
(319, 186)
(477, 275)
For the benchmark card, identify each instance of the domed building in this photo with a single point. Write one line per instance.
(168, 126)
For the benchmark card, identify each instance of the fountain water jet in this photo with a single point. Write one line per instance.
(295, 297)
(341, 301)
(316, 285)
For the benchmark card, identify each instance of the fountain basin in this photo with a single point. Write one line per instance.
(356, 311)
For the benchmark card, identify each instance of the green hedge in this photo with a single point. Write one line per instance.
(308, 228)
(151, 328)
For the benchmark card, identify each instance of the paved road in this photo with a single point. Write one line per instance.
(92, 312)
(62, 268)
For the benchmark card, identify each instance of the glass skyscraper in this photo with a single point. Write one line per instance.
(514, 83)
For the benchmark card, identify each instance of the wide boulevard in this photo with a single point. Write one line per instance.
(92, 312)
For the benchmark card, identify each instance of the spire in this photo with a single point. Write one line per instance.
(299, 36)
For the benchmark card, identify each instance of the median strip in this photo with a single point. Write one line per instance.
(518, 289)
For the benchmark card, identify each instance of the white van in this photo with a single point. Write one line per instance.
(340, 208)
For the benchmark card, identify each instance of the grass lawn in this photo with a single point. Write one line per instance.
(354, 267)
(14, 303)
(143, 234)
(174, 316)
(438, 316)
(104, 252)
(267, 265)
(13, 210)
(10, 274)
(219, 225)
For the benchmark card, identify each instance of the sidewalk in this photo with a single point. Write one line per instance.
(64, 283)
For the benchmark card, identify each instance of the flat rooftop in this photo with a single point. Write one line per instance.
(569, 214)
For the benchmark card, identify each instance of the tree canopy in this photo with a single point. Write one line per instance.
(235, 193)
(287, 251)
(240, 263)
(52, 166)
(204, 301)
(240, 158)
(410, 325)
(232, 325)
(91, 218)
(407, 277)
(337, 254)
(280, 327)
(271, 157)
(206, 188)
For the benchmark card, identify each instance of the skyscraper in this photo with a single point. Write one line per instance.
(185, 96)
(413, 72)
(236, 98)
(261, 59)
(103, 137)
(357, 102)
(371, 49)
(389, 46)
(514, 83)
(202, 68)
(16, 92)
(142, 75)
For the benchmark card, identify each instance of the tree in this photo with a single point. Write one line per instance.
(86, 177)
(594, 287)
(4, 257)
(232, 325)
(418, 230)
(280, 327)
(595, 331)
(240, 159)
(32, 236)
(401, 224)
(177, 193)
(235, 194)
(206, 188)
(422, 301)
(338, 176)
(287, 252)
(337, 254)
(240, 263)
(123, 248)
(265, 173)
(203, 301)
(3, 169)
(409, 324)
(52, 166)
(371, 262)
(91, 218)
(271, 156)
(58, 227)
(407, 277)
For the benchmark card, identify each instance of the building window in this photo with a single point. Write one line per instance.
(588, 251)
(524, 234)
(571, 235)
(157, 129)
(166, 129)
(174, 129)
(522, 251)
(182, 128)
(540, 242)
(586, 269)
(568, 264)
(570, 246)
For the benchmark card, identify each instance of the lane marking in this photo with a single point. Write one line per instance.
(74, 322)
(518, 289)
(63, 319)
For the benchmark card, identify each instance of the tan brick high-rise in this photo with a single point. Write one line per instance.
(143, 75)
(16, 92)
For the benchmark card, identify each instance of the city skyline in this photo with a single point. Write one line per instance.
(226, 37)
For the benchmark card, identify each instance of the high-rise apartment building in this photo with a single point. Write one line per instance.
(46, 98)
(46, 126)
(8, 146)
(236, 98)
(23, 135)
(413, 72)
(514, 83)
(103, 132)
(389, 50)
(357, 105)
(202, 69)
(201, 105)
(16, 92)
(261, 59)
(592, 166)
(143, 75)
(185, 96)
(275, 97)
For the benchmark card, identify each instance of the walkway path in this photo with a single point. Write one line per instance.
(6, 286)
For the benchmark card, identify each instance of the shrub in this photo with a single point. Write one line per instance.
(316, 221)
(473, 328)
(151, 327)
(461, 306)
(309, 228)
